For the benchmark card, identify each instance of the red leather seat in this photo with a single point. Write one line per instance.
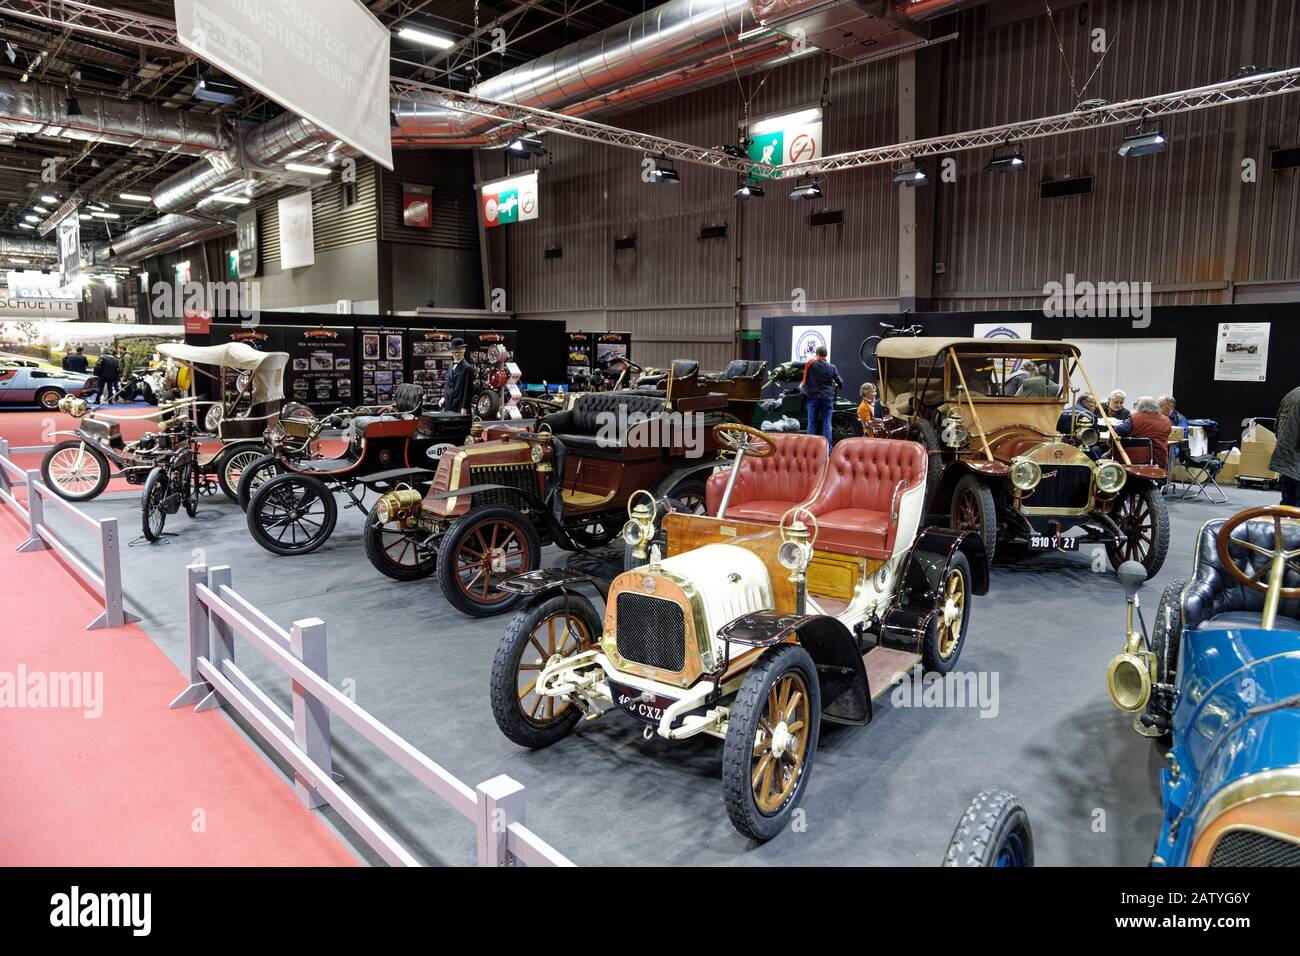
(767, 488)
(855, 504)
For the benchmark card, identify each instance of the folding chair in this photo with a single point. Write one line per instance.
(1203, 470)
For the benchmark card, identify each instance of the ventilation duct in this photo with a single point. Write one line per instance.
(28, 248)
(171, 231)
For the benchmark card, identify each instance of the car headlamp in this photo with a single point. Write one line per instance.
(383, 510)
(794, 555)
(954, 432)
(632, 532)
(1087, 435)
(536, 452)
(1110, 477)
(1025, 474)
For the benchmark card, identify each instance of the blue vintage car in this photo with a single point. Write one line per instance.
(29, 382)
(1218, 684)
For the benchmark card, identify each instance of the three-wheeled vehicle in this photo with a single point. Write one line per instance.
(289, 494)
(493, 504)
(233, 392)
(812, 591)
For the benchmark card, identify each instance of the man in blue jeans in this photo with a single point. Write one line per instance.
(820, 380)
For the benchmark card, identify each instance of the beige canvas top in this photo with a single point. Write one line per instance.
(267, 367)
(928, 346)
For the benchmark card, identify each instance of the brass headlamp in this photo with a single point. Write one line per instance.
(401, 504)
(1132, 672)
(640, 527)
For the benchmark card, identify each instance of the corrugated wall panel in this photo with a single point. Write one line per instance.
(333, 226)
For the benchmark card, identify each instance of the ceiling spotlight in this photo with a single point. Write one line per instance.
(428, 39)
(41, 209)
(806, 190)
(49, 199)
(309, 170)
(30, 218)
(526, 144)
(105, 215)
(750, 191)
(25, 225)
(1006, 159)
(221, 92)
(665, 174)
(135, 197)
(911, 176)
(1143, 142)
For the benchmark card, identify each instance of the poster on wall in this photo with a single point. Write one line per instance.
(321, 370)
(430, 360)
(382, 357)
(417, 206)
(504, 201)
(1241, 352)
(805, 340)
(785, 139)
(1003, 330)
(297, 236)
(611, 347)
(579, 358)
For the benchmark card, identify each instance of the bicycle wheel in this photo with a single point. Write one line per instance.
(868, 355)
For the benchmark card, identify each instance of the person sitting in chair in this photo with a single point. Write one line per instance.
(1146, 421)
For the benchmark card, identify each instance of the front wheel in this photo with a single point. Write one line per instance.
(994, 831)
(542, 633)
(771, 738)
(253, 476)
(396, 551)
(482, 549)
(292, 514)
(946, 636)
(75, 471)
(1144, 518)
(153, 514)
(234, 461)
(845, 424)
(973, 510)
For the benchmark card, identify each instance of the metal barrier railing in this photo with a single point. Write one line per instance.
(106, 584)
(216, 613)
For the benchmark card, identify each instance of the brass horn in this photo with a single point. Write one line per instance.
(1131, 673)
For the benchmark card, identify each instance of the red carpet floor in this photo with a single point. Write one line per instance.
(138, 785)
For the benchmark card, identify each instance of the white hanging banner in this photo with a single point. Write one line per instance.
(326, 60)
(297, 235)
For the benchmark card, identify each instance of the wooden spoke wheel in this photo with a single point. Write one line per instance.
(292, 514)
(771, 738)
(973, 510)
(482, 549)
(540, 634)
(1143, 518)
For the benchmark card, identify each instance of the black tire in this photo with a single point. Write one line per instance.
(972, 509)
(1165, 640)
(254, 476)
(48, 399)
(601, 531)
(234, 459)
(943, 643)
(298, 508)
(994, 831)
(393, 552)
(487, 403)
(689, 496)
(191, 482)
(148, 394)
(1144, 516)
(921, 431)
(537, 633)
(740, 763)
(867, 355)
(94, 460)
(845, 425)
(470, 537)
(152, 516)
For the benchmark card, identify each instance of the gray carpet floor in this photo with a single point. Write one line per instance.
(886, 794)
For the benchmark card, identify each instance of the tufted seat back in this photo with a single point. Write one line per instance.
(873, 487)
(589, 409)
(742, 368)
(766, 488)
(1212, 593)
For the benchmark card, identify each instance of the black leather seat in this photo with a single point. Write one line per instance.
(741, 368)
(592, 426)
(683, 369)
(1213, 600)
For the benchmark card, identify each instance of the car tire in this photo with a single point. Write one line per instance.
(943, 642)
(1165, 640)
(380, 552)
(765, 685)
(924, 433)
(606, 531)
(486, 404)
(539, 631)
(234, 459)
(276, 502)
(690, 496)
(48, 399)
(152, 516)
(1132, 513)
(254, 476)
(100, 464)
(994, 831)
(973, 510)
(471, 535)
(844, 425)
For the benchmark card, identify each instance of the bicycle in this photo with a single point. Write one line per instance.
(176, 481)
(867, 353)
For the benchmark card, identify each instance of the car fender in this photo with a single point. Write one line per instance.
(846, 697)
(540, 584)
(1145, 472)
(700, 469)
(992, 472)
(915, 609)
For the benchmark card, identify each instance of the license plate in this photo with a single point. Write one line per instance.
(1050, 542)
(642, 705)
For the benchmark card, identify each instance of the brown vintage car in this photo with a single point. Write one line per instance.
(494, 504)
(1008, 457)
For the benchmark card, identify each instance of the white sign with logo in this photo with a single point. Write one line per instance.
(297, 235)
(806, 338)
(326, 60)
(1241, 352)
(1003, 330)
(786, 139)
(509, 200)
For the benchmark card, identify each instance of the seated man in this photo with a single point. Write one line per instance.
(1147, 422)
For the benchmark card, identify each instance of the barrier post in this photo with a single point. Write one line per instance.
(35, 516)
(311, 718)
(115, 612)
(500, 803)
(222, 639)
(6, 485)
(196, 618)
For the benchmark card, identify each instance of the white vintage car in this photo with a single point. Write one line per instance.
(807, 589)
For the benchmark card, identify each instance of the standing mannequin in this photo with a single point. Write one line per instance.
(460, 380)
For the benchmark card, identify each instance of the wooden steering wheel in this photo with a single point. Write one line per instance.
(1224, 540)
(738, 438)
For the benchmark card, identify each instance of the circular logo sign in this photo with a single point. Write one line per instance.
(803, 148)
(809, 341)
(490, 209)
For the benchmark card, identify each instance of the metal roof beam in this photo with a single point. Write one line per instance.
(84, 18)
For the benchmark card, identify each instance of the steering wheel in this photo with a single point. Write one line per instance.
(799, 513)
(1224, 540)
(738, 438)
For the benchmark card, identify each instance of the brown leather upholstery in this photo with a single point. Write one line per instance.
(853, 504)
(767, 488)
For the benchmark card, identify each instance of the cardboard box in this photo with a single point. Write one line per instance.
(1255, 463)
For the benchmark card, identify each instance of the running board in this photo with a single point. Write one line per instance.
(886, 667)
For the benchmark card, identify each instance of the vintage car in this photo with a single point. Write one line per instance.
(1217, 685)
(789, 402)
(23, 382)
(290, 494)
(493, 504)
(1001, 466)
(807, 590)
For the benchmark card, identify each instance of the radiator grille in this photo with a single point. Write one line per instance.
(651, 631)
(1248, 848)
(1062, 486)
(523, 477)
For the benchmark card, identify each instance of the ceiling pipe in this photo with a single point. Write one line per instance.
(919, 10)
(29, 248)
